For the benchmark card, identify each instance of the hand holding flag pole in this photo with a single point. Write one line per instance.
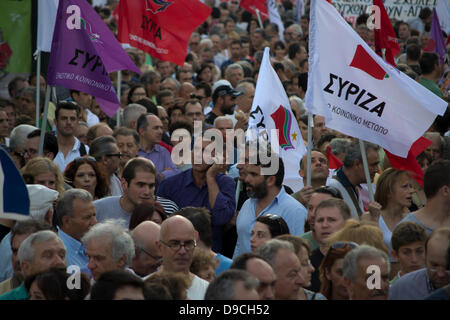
(366, 170)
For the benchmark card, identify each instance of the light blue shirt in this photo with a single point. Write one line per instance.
(75, 250)
(283, 205)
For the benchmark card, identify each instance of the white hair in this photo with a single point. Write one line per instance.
(19, 136)
(350, 268)
(132, 112)
(114, 231)
(26, 249)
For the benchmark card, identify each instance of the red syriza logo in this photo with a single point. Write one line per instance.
(156, 6)
(364, 62)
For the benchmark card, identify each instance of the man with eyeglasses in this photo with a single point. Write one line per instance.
(50, 148)
(147, 256)
(417, 285)
(224, 99)
(177, 242)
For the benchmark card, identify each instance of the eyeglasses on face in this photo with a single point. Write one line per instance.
(176, 245)
(114, 155)
(158, 260)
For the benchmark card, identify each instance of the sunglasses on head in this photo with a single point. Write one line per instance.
(344, 244)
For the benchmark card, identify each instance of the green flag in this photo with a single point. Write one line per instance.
(15, 20)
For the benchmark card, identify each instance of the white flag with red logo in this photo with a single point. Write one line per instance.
(271, 113)
(357, 92)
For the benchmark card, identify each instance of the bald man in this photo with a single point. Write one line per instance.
(177, 241)
(147, 257)
(186, 88)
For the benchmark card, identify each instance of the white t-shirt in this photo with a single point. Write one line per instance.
(197, 289)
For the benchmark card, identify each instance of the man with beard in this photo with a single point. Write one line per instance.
(204, 185)
(66, 120)
(417, 285)
(358, 274)
(266, 196)
(224, 99)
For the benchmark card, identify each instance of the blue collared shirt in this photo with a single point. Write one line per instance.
(182, 190)
(160, 157)
(283, 205)
(75, 250)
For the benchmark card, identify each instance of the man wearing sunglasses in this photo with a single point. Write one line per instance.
(105, 151)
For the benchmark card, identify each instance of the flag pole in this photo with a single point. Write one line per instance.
(44, 120)
(119, 80)
(259, 18)
(38, 86)
(366, 169)
(309, 149)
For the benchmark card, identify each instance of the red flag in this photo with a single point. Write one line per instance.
(252, 5)
(385, 37)
(161, 28)
(333, 161)
(410, 163)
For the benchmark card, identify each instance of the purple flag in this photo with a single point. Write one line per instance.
(84, 51)
(438, 38)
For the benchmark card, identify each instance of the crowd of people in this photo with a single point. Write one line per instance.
(121, 211)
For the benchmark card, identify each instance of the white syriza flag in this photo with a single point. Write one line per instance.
(271, 111)
(443, 12)
(357, 92)
(47, 10)
(274, 17)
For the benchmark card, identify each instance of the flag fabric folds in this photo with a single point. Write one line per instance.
(15, 34)
(385, 37)
(161, 28)
(14, 199)
(271, 111)
(443, 11)
(358, 93)
(274, 17)
(84, 51)
(252, 5)
(437, 38)
(410, 163)
(47, 10)
(333, 161)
